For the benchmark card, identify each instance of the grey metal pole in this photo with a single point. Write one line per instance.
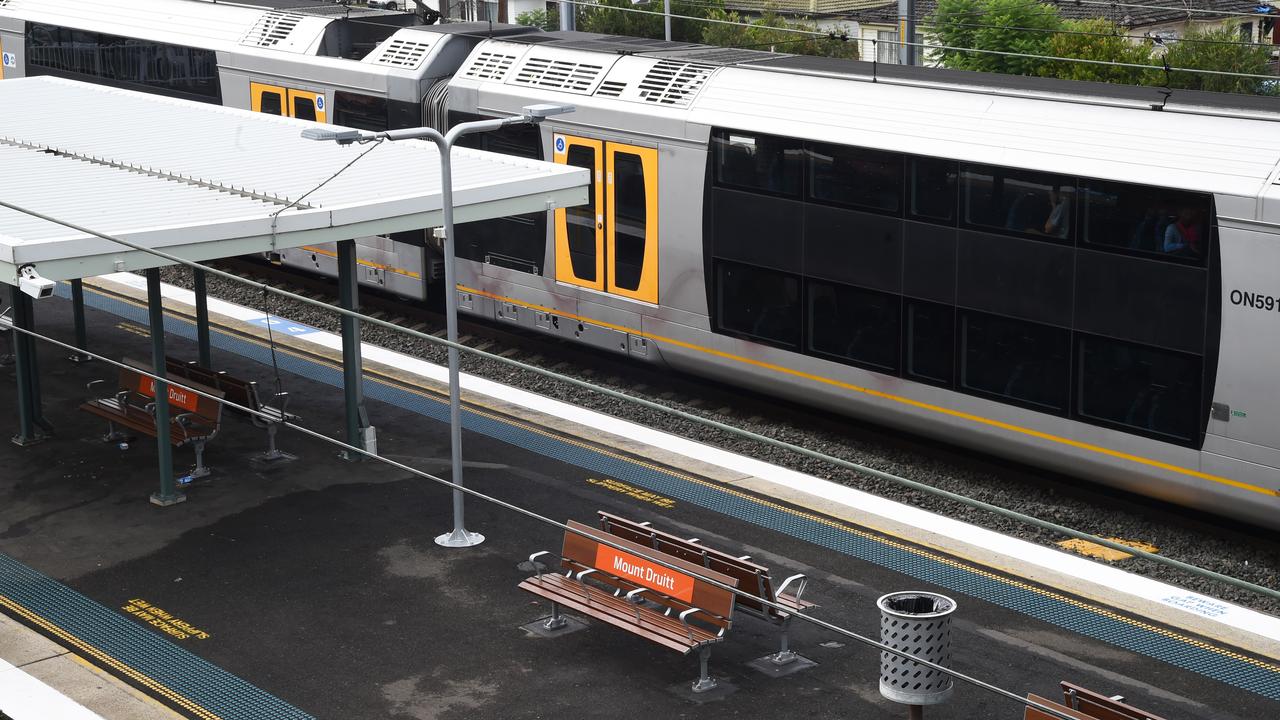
(24, 371)
(168, 494)
(568, 21)
(77, 314)
(666, 19)
(202, 319)
(459, 537)
(906, 31)
(352, 365)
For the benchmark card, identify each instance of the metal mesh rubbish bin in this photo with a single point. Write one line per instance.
(918, 623)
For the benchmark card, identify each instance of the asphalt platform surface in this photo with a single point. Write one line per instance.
(319, 582)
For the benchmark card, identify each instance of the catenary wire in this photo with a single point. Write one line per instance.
(723, 427)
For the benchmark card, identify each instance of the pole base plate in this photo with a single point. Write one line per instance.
(459, 538)
(167, 500)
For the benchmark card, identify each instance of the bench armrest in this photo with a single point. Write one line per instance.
(281, 401)
(537, 566)
(89, 386)
(684, 618)
(801, 582)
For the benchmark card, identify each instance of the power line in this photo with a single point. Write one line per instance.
(928, 20)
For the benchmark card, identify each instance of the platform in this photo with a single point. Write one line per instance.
(315, 590)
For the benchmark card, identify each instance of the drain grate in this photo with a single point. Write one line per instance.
(1186, 653)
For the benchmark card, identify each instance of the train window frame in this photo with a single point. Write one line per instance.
(962, 345)
(718, 266)
(620, 234)
(1014, 214)
(912, 190)
(1159, 226)
(908, 342)
(1196, 413)
(361, 111)
(859, 157)
(810, 317)
(722, 138)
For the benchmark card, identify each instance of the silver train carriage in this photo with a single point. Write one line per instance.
(370, 69)
(1087, 283)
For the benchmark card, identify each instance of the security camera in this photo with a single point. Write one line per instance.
(34, 285)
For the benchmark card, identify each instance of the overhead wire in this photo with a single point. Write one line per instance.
(658, 407)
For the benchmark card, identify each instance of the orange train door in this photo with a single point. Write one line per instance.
(287, 102)
(611, 243)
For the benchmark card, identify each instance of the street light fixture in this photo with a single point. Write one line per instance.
(531, 114)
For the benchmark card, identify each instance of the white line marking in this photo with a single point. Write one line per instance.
(23, 697)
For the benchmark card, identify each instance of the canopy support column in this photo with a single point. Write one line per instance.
(357, 416)
(202, 318)
(77, 314)
(32, 426)
(168, 493)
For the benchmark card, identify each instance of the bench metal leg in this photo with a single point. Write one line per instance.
(273, 454)
(556, 621)
(705, 681)
(785, 654)
(116, 436)
(199, 470)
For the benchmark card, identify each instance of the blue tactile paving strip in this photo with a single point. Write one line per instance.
(1095, 622)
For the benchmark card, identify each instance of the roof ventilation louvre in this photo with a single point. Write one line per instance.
(399, 52)
(490, 66)
(611, 88)
(674, 83)
(270, 29)
(566, 75)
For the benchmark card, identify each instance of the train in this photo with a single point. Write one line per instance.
(1081, 277)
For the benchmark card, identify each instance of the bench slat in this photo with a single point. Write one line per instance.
(1030, 713)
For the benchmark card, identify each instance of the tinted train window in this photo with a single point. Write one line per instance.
(1018, 361)
(366, 112)
(758, 162)
(855, 325)
(272, 103)
(630, 218)
(140, 64)
(1144, 389)
(856, 177)
(1167, 223)
(1019, 202)
(930, 342)
(580, 220)
(933, 190)
(763, 304)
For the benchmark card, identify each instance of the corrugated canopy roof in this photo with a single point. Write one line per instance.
(204, 182)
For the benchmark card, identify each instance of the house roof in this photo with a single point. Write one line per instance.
(1128, 13)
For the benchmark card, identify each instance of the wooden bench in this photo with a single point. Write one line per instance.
(244, 393)
(193, 419)
(1084, 704)
(671, 608)
(752, 577)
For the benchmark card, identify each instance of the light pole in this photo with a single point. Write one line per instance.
(459, 537)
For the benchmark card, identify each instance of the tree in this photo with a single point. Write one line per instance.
(990, 25)
(546, 19)
(1097, 39)
(772, 32)
(618, 17)
(1219, 49)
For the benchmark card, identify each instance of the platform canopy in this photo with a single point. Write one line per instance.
(202, 182)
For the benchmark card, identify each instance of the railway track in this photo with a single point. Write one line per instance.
(1207, 541)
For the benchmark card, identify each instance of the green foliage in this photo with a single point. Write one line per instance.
(613, 17)
(1223, 52)
(770, 32)
(987, 25)
(545, 19)
(1097, 39)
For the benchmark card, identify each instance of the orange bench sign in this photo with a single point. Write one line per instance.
(179, 397)
(643, 572)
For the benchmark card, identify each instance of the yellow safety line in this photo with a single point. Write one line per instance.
(109, 661)
(1274, 492)
(366, 263)
(1089, 607)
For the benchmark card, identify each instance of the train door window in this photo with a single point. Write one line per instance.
(632, 249)
(1021, 362)
(758, 162)
(856, 177)
(1143, 389)
(357, 110)
(930, 342)
(758, 303)
(1171, 224)
(854, 325)
(580, 230)
(932, 190)
(306, 105)
(1018, 202)
(266, 99)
